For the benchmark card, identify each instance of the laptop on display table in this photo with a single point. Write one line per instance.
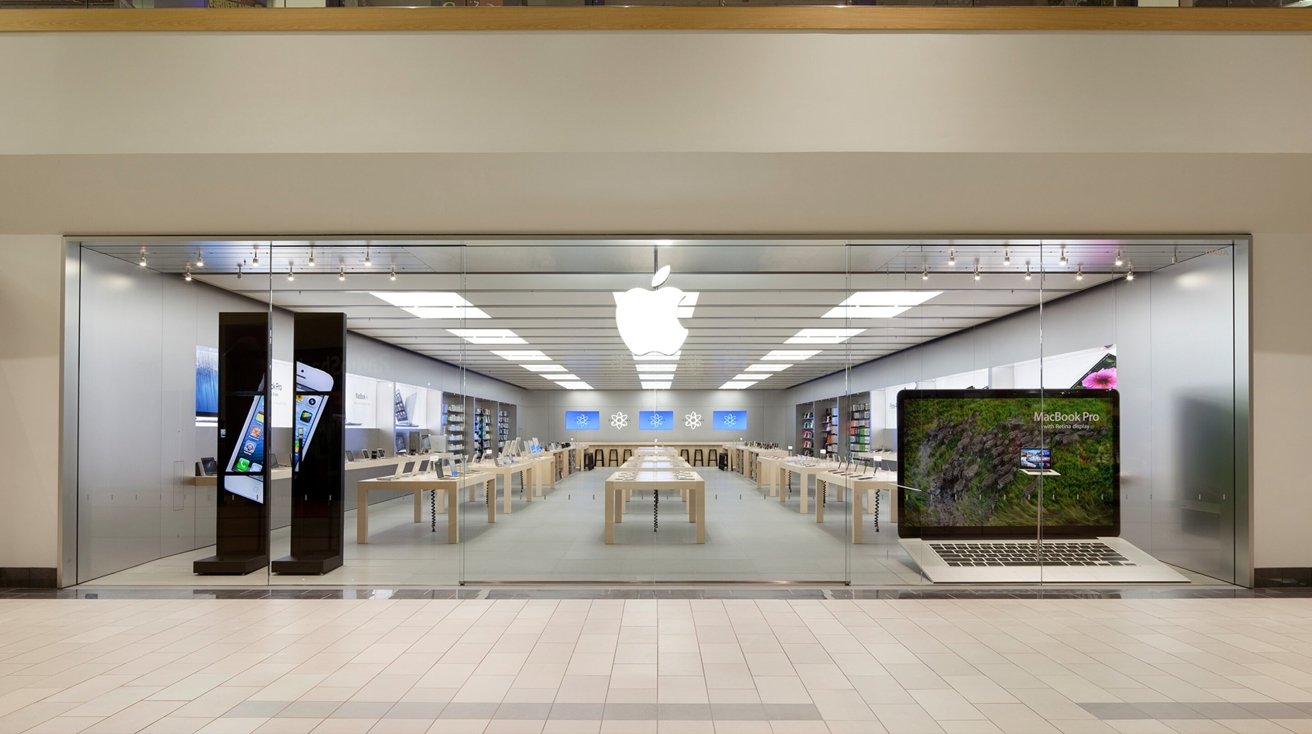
(1015, 486)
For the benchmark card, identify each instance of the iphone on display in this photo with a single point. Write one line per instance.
(245, 473)
(312, 388)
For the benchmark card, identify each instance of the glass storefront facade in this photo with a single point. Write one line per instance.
(877, 411)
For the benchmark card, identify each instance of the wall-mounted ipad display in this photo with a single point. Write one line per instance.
(583, 420)
(207, 385)
(728, 420)
(409, 406)
(977, 464)
(655, 420)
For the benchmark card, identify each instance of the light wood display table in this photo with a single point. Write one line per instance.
(418, 483)
(284, 472)
(863, 485)
(525, 468)
(688, 482)
(675, 446)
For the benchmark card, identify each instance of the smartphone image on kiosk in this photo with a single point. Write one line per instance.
(312, 388)
(245, 473)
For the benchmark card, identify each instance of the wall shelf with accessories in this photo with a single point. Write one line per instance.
(453, 423)
(483, 431)
(505, 424)
(826, 412)
(805, 443)
(857, 424)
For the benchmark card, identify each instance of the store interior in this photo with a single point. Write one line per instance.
(777, 375)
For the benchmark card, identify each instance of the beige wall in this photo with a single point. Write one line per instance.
(30, 336)
(667, 133)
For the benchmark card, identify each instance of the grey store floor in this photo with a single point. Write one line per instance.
(559, 538)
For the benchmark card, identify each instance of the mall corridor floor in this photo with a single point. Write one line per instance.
(722, 666)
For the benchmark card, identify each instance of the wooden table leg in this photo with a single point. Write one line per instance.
(701, 513)
(361, 515)
(802, 491)
(452, 522)
(858, 499)
(505, 495)
(419, 513)
(490, 485)
(820, 499)
(690, 498)
(610, 514)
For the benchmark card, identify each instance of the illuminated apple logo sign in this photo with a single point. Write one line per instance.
(648, 320)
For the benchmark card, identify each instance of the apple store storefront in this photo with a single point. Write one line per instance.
(878, 412)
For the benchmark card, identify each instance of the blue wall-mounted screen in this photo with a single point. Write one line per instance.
(583, 420)
(656, 420)
(728, 420)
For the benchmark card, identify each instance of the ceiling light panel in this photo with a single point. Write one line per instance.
(575, 385)
(790, 355)
(878, 304)
(488, 336)
(822, 336)
(523, 356)
(431, 304)
(751, 377)
(543, 367)
(736, 385)
(655, 385)
(657, 367)
(566, 377)
(767, 367)
(656, 357)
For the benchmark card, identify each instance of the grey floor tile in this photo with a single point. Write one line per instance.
(1167, 710)
(631, 711)
(362, 710)
(256, 709)
(1115, 711)
(469, 711)
(1276, 710)
(523, 711)
(791, 712)
(577, 711)
(308, 710)
(415, 710)
(684, 711)
(1222, 710)
(738, 712)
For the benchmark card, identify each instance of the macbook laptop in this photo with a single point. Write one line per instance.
(1015, 486)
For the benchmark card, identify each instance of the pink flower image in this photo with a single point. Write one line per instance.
(1101, 380)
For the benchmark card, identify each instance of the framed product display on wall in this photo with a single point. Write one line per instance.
(728, 420)
(583, 420)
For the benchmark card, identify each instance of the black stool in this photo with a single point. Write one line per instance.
(628, 454)
(599, 457)
(712, 458)
(697, 458)
(614, 457)
(683, 454)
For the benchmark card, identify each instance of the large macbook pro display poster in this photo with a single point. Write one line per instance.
(990, 464)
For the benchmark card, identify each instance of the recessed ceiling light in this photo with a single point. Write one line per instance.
(488, 336)
(657, 367)
(822, 336)
(523, 356)
(575, 385)
(767, 367)
(735, 385)
(751, 376)
(656, 357)
(790, 355)
(561, 377)
(655, 385)
(879, 304)
(655, 377)
(431, 304)
(543, 367)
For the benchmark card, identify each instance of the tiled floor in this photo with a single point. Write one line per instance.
(750, 537)
(734, 666)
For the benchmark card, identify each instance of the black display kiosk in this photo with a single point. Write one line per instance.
(241, 537)
(318, 483)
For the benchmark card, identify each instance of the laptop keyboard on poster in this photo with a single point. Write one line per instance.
(1029, 553)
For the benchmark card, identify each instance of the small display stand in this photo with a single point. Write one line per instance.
(318, 479)
(241, 533)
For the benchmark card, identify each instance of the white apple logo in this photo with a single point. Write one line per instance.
(648, 320)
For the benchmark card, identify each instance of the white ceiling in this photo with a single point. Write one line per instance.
(754, 294)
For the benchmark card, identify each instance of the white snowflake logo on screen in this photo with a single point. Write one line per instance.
(657, 419)
(619, 420)
(693, 420)
(581, 421)
(731, 420)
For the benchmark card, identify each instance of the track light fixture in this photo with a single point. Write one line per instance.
(200, 258)
(952, 256)
(238, 271)
(255, 256)
(341, 273)
(291, 275)
(368, 261)
(141, 260)
(1079, 272)
(392, 274)
(1063, 259)
(310, 262)
(1028, 275)
(1006, 256)
(1119, 260)
(924, 274)
(1129, 274)
(187, 275)
(977, 275)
